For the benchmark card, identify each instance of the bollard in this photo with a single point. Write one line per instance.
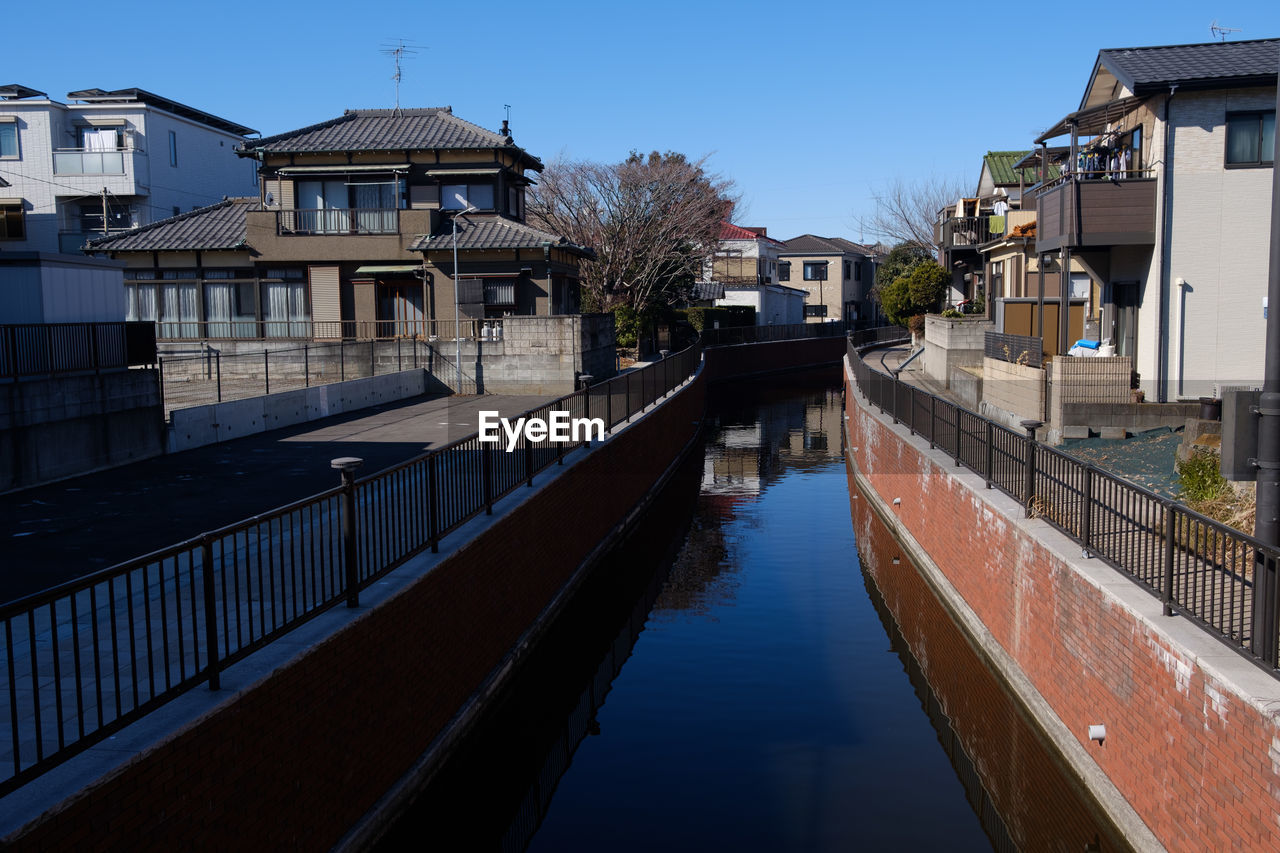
(348, 466)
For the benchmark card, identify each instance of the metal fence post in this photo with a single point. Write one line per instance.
(933, 419)
(348, 465)
(210, 610)
(528, 463)
(911, 410)
(1265, 618)
(306, 366)
(991, 453)
(433, 504)
(1169, 522)
(1029, 487)
(608, 406)
(1086, 510)
(342, 361)
(486, 474)
(894, 407)
(266, 370)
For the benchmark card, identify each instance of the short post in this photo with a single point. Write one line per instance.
(210, 610)
(1170, 510)
(1029, 489)
(217, 363)
(991, 453)
(266, 371)
(348, 466)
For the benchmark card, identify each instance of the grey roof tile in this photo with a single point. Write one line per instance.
(809, 244)
(1144, 69)
(387, 130)
(492, 232)
(218, 226)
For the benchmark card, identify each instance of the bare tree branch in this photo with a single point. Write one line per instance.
(906, 210)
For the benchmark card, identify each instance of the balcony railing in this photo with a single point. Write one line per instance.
(80, 162)
(964, 231)
(326, 330)
(1111, 209)
(360, 220)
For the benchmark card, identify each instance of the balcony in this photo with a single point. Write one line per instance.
(76, 161)
(1117, 210)
(338, 221)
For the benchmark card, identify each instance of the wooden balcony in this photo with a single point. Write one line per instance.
(1113, 211)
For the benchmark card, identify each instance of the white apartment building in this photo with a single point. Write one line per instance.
(102, 163)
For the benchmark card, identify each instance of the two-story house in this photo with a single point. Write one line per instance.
(836, 274)
(106, 162)
(743, 270)
(1165, 198)
(354, 234)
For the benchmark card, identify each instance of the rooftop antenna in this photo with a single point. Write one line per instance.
(1220, 33)
(398, 52)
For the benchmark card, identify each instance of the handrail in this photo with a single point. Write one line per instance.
(1197, 566)
(123, 640)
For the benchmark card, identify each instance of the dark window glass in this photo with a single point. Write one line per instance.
(1251, 138)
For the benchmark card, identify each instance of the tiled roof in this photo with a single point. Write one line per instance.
(218, 226)
(808, 244)
(1147, 69)
(387, 130)
(492, 232)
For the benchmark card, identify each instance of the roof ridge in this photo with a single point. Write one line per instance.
(1191, 44)
(250, 144)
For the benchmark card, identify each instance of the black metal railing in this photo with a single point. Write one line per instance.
(1198, 567)
(764, 334)
(1017, 349)
(45, 349)
(86, 658)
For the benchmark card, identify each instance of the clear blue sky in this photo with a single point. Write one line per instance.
(808, 107)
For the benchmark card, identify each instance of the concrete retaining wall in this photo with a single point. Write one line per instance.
(1012, 392)
(1192, 733)
(60, 427)
(951, 343)
(201, 425)
(755, 359)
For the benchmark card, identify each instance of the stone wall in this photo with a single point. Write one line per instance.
(1190, 751)
(63, 426)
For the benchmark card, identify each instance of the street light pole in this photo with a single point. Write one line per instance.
(457, 324)
(1267, 523)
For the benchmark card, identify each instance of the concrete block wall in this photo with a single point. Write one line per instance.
(68, 425)
(951, 343)
(1012, 392)
(1191, 727)
(1092, 381)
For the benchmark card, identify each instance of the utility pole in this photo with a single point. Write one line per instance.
(105, 231)
(1267, 524)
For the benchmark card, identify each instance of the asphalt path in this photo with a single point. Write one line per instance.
(68, 529)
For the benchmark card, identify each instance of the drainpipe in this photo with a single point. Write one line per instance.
(1162, 328)
(551, 296)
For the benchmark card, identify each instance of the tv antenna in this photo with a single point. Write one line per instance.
(1220, 33)
(398, 52)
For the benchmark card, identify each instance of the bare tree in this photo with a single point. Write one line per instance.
(906, 211)
(647, 218)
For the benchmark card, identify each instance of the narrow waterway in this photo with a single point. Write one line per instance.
(734, 678)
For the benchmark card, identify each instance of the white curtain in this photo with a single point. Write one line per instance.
(217, 308)
(179, 311)
(374, 203)
(100, 140)
(141, 304)
(284, 309)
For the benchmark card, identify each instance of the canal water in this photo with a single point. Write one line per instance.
(747, 672)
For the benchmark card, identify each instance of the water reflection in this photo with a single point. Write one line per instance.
(733, 678)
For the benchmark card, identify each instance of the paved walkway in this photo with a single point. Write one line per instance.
(53, 533)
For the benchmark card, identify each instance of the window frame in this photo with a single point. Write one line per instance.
(816, 265)
(173, 148)
(1262, 162)
(17, 141)
(6, 217)
(784, 270)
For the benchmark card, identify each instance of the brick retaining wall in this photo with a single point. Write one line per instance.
(1192, 741)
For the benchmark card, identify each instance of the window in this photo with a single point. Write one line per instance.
(285, 313)
(173, 148)
(1251, 138)
(230, 305)
(848, 270)
(815, 310)
(12, 224)
(815, 270)
(857, 272)
(997, 279)
(784, 270)
(462, 196)
(100, 138)
(8, 140)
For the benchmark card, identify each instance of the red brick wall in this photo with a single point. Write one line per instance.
(1199, 764)
(297, 759)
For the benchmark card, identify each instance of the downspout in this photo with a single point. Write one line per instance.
(1162, 329)
(546, 258)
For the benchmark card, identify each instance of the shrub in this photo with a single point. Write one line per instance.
(916, 324)
(952, 314)
(1199, 479)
